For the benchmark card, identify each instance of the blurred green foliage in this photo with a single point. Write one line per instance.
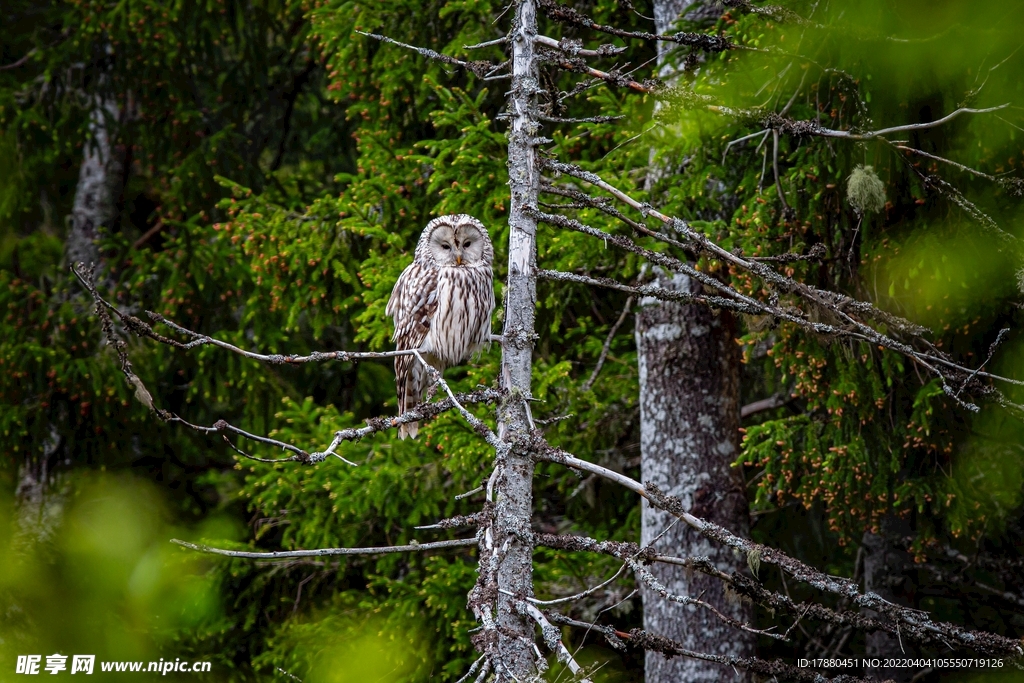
(105, 581)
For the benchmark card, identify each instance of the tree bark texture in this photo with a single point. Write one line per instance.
(100, 180)
(689, 436)
(886, 568)
(689, 416)
(512, 491)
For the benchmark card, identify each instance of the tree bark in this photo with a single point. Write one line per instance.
(885, 573)
(689, 436)
(100, 180)
(512, 490)
(689, 428)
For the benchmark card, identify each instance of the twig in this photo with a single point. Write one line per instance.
(789, 126)
(473, 668)
(916, 624)
(291, 676)
(569, 15)
(583, 594)
(553, 639)
(574, 47)
(321, 552)
(478, 67)
(926, 155)
(467, 494)
(585, 119)
(19, 62)
(770, 403)
(489, 43)
(607, 344)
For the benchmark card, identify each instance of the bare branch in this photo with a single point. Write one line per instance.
(958, 165)
(587, 119)
(638, 638)
(783, 125)
(744, 586)
(776, 669)
(913, 624)
(568, 15)
(482, 661)
(489, 43)
(479, 67)
(574, 47)
(607, 343)
(198, 339)
(770, 403)
(322, 552)
(423, 411)
(647, 577)
(20, 62)
(838, 305)
(553, 639)
(582, 594)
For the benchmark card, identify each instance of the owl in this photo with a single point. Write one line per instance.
(441, 304)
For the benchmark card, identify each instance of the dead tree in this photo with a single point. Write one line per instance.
(513, 624)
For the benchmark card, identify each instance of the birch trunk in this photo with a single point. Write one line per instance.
(39, 495)
(513, 481)
(100, 179)
(689, 436)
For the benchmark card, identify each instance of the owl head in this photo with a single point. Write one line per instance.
(455, 241)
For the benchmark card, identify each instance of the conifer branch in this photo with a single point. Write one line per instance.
(574, 47)
(478, 67)
(329, 552)
(913, 624)
(840, 306)
(769, 669)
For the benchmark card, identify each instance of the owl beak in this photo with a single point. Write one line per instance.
(458, 259)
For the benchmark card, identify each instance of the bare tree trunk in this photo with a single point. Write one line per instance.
(39, 495)
(885, 574)
(512, 490)
(689, 436)
(689, 427)
(100, 179)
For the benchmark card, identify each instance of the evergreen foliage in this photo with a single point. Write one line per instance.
(290, 164)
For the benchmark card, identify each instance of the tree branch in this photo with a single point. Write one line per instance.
(323, 552)
(571, 16)
(913, 624)
(478, 67)
(553, 639)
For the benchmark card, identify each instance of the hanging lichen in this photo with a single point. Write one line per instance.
(865, 190)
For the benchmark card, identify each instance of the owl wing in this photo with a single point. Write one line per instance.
(412, 304)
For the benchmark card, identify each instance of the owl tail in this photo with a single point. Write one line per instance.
(409, 379)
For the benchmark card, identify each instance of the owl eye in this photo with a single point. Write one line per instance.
(465, 245)
(447, 247)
